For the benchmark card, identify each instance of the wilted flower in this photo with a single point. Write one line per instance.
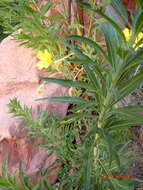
(41, 88)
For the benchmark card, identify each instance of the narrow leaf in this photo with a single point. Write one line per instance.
(44, 9)
(74, 116)
(110, 45)
(83, 106)
(91, 43)
(136, 109)
(139, 23)
(77, 52)
(112, 152)
(140, 4)
(117, 28)
(129, 115)
(69, 83)
(120, 8)
(65, 99)
(123, 124)
(134, 60)
(114, 24)
(130, 85)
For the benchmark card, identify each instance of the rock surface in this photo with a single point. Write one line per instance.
(19, 78)
(129, 4)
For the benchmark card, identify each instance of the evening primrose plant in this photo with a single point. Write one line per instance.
(99, 113)
(87, 139)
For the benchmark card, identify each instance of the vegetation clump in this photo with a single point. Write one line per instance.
(89, 140)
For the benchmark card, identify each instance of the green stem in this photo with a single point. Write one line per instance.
(63, 58)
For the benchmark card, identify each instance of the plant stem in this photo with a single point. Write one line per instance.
(63, 58)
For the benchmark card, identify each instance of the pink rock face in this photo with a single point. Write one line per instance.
(17, 72)
(17, 63)
(19, 78)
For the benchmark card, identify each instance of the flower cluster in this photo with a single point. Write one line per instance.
(128, 34)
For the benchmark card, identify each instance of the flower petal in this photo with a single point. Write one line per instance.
(127, 34)
(40, 55)
(41, 65)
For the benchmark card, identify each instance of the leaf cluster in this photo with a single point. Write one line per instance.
(75, 145)
(27, 22)
(20, 181)
(108, 88)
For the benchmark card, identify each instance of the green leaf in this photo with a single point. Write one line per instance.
(129, 115)
(69, 83)
(25, 180)
(65, 99)
(106, 172)
(95, 82)
(123, 124)
(91, 43)
(44, 9)
(76, 61)
(136, 109)
(110, 45)
(77, 52)
(114, 24)
(130, 85)
(8, 181)
(120, 8)
(85, 4)
(86, 177)
(111, 149)
(93, 66)
(91, 76)
(140, 4)
(139, 23)
(133, 61)
(76, 116)
(83, 106)
(86, 62)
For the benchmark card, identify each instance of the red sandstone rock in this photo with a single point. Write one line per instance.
(19, 78)
(129, 4)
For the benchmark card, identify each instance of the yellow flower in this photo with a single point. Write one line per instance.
(40, 88)
(128, 34)
(45, 59)
(139, 37)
